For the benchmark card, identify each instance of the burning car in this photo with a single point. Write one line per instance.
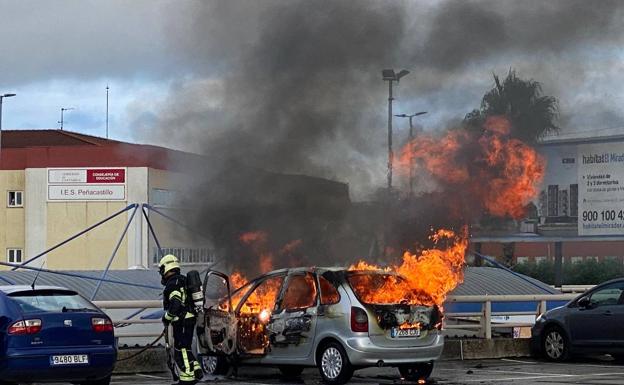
(323, 317)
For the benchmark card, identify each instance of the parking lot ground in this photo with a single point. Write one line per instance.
(500, 371)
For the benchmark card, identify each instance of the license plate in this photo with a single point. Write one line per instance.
(69, 359)
(402, 333)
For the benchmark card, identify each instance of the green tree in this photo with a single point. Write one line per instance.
(532, 115)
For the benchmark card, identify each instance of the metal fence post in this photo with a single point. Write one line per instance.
(542, 307)
(486, 319)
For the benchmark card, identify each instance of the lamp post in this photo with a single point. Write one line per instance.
(63, 109)
(1, 98)
(411, 137)
(390, 76)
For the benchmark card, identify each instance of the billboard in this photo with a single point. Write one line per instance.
(87, 184)
(601, 189)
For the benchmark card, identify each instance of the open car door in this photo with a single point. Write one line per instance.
(220, 324)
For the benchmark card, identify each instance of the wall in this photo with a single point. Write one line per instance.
(11, 218)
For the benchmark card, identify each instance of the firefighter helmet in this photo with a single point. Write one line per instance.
(168, 263)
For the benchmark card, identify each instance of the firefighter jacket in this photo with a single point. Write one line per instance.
(175, 299)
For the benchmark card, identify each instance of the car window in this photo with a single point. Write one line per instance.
(300, 292)
(329, 293)
(608, 295)
(51, 302)
(263, 297)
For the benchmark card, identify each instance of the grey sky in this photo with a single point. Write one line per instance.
(295, 85)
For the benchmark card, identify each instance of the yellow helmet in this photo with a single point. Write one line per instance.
(168, 263)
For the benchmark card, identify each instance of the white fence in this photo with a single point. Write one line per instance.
(480, 322)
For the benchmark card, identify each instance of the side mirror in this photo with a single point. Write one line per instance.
(584, 302)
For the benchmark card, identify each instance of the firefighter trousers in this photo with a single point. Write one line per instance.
(183, 354)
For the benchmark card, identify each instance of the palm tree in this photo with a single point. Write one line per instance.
(532, 114)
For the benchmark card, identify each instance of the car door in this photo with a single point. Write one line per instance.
(594, 325)
(218, 334)
(293, 323)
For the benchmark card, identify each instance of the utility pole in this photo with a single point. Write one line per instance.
(411, 139)
(107, 111)
(63, 109)
(1, 98)
(390, 76)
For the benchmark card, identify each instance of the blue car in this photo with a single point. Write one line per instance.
(52, 334)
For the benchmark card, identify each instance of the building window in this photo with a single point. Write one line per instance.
(14, 255)
(540, 259)
(563, 203)
(576, 259)
(14, 199)
(553, 200)
(574, 200)
(521, 260)
(163, 198)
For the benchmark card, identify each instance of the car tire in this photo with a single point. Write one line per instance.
(555, 344)
(103, 381)
(291, 371)
(415, 372)
(214, 365)
(334, 365)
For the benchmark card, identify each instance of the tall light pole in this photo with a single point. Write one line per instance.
(390, 76)
(107, 111)
(63, 109)
(1, 98)
(411, 138)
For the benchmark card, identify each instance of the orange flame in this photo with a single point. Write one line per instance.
(497, 171)
(423, 279)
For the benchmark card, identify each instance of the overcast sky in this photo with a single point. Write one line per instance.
(295, 85)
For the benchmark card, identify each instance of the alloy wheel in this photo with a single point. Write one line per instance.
(554, 345)
(331, 362)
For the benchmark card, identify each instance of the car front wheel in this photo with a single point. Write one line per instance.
(214, 365)
(334, 364)
(555, 344)
(415, 372)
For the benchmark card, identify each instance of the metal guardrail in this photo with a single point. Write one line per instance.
(485, 325)
(461, 320)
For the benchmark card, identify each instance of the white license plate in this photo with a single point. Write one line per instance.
(402, 333)
(69, 359)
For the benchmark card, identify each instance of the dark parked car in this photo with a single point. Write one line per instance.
(591, 323)
(52, 334)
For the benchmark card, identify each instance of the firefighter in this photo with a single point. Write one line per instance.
(179, 313)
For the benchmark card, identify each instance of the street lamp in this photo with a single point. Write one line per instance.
(2, 97)
(390, 76)
(411, 137)
(63, 109)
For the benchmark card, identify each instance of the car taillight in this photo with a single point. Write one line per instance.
(29, 326)
(101, 325)
(359, 320)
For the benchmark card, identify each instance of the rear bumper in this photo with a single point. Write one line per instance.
(362, 352)
(30, 365)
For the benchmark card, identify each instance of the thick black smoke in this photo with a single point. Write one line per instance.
(295, 86)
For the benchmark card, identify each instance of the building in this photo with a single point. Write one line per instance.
(57, 183)
(579, 214)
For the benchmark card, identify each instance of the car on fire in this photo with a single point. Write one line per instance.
(590, 323)
(52, 334)
(316, 317)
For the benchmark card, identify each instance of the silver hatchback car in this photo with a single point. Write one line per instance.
(306, 317)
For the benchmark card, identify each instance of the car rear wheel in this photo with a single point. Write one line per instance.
(415, 372)
(291, 371)
(103, 381)
(214, 365)
(555, 344)
(334, 364)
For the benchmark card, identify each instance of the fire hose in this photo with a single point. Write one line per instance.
(143, 350)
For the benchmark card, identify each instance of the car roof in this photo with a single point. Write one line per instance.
(22, 288)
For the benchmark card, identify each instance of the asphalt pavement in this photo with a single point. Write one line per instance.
(597, 371)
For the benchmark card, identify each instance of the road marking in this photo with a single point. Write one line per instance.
(543, 377)
(522, 362)
(151, 376)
